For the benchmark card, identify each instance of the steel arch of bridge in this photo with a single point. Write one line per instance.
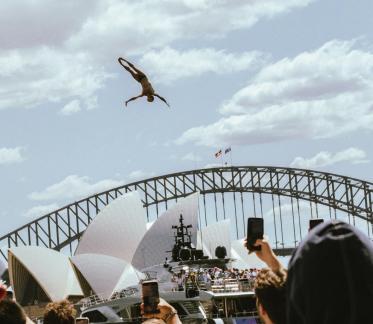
(62, 227)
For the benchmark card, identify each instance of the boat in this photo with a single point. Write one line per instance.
(184, 283)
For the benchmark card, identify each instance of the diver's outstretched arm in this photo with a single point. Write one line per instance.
(133, 98)
(163, 99)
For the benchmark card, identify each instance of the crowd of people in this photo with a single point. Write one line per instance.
(11, 312)
(206, 278)
(329, 280)
(63, 312)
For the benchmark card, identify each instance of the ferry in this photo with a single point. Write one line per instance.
(228, 301)
(221, 300)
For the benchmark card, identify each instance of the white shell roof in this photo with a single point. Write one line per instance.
(159, 238)
(104, 273)
(214, 235)
(2, 268)
(130, 277)
(244, 260)
(116, 230)
(51, 269)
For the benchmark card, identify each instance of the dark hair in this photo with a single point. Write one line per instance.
(11, 313)
(59, 313)
(9, 295)
(330, 276)
(270, 291)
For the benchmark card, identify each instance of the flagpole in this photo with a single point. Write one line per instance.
(226, 151)
(219, 154)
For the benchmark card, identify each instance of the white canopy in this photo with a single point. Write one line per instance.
(50, 269)
(116, 230)
(105, 274)
(159, 238)
(244, 260)
(214, 235)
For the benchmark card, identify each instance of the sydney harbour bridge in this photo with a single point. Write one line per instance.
(285, 197)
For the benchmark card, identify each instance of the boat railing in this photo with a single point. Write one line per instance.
(92, 300)
(97, 299)
(246, 314)
(235, 314)
(224, 285)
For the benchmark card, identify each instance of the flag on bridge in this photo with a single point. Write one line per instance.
(227, 150)
(218, 153)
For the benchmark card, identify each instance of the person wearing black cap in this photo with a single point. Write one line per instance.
(330, 277)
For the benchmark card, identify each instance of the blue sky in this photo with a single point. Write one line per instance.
(284, 83)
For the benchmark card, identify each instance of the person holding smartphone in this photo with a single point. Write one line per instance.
(266, 254)
(269, 284)
(257, 242)
(166, 314)
(3, 290)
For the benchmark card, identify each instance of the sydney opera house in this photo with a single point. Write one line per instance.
(114, 251)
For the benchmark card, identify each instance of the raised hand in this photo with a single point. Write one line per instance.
(3, 289)
(266, 254)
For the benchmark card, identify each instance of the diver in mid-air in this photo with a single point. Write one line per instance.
(139, 76)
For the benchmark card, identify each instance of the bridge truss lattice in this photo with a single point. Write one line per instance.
(285, 197)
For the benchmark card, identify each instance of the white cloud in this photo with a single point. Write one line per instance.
(38, 211)
(319, 94)
(288, 209)
(74, 187)
(30, 24)
(324, 158)
(191, 157)
(65, 58)
(335, 69)
(213, 165)
(71, 108)
(117, 27)
(139, 175)
(289, 214)
(11, 155)
(36, 76)
(169, 64)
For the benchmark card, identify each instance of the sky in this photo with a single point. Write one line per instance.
(283, 83)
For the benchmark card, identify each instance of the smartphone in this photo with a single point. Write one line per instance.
(82, 320)
(255, 229)
(314, 222)
(150, 296)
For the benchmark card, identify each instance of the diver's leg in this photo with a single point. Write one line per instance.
(128, 62)
(139, 72)
(134, 75)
